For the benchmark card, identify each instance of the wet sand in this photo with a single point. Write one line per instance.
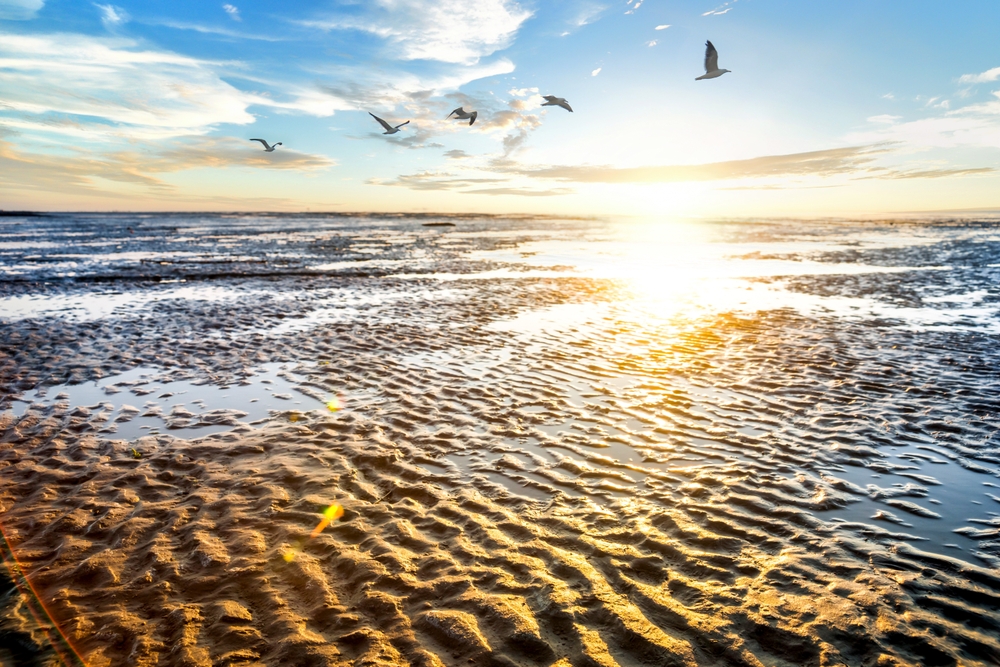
(556, 442)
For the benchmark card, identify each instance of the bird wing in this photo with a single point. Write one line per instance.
(565, 105)
(400, 125)
(711, 58)
(261, 141)
(380, 121)
(459, 111)
(474, 115)
(549, 98)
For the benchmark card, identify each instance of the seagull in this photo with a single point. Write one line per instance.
(462, 114)
(711, 63)
(389, 129)
(553, 101)
(267, 147)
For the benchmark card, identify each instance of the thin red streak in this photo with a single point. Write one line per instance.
(17, 572)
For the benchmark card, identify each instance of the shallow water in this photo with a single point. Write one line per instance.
(622, 442)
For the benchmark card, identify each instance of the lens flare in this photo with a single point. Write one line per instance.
(58, 640)
(330, 514)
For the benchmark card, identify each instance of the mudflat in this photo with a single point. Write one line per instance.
(555, 442)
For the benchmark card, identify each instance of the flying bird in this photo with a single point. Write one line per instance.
(462, 114)
(389, 129)
(267, 147)
(553, 101)
(711, 63)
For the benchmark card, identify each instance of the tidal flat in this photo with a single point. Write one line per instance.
(556, 442)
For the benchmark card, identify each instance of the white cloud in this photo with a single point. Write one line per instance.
(982, 77)
(213, 30)
(20, 10)
(112, 16)
(233, 11)
(651, 42)
(662, 27)
(588, 14)
(824, 163)
(596, 71)
(142, 166)
(432, 30)
(883, 118)
(724, 8)
(365, 89)
(634, 7)
(103, 87)
(973, 126)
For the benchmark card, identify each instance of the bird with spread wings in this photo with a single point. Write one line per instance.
(389, 129)
(462, 114)
(712, 70)
(553, 101)
(267, 147)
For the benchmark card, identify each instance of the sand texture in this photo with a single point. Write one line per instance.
(541, 462)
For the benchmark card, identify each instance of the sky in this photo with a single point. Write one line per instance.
(831, 108)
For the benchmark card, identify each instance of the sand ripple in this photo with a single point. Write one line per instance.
(534, 471)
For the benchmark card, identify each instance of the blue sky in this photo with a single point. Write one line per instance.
(831, 108)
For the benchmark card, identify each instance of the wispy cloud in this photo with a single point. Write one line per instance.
(20, 10)
(829, 162)
(233, 11)
(724, 8)
(432, 30)
(213, 30)
(662, 27)
(435, 180)
(596, 71)
(855, 162)
(111, 16)
(937, 103)
(521, 192)
(508, 176)
(983, 77)
(417, 138)
(449, 181)
(896, 174)
(96, 83)
(141, 166)
(974, 125)
(521, 126)
(587, 14)
(364, 89)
